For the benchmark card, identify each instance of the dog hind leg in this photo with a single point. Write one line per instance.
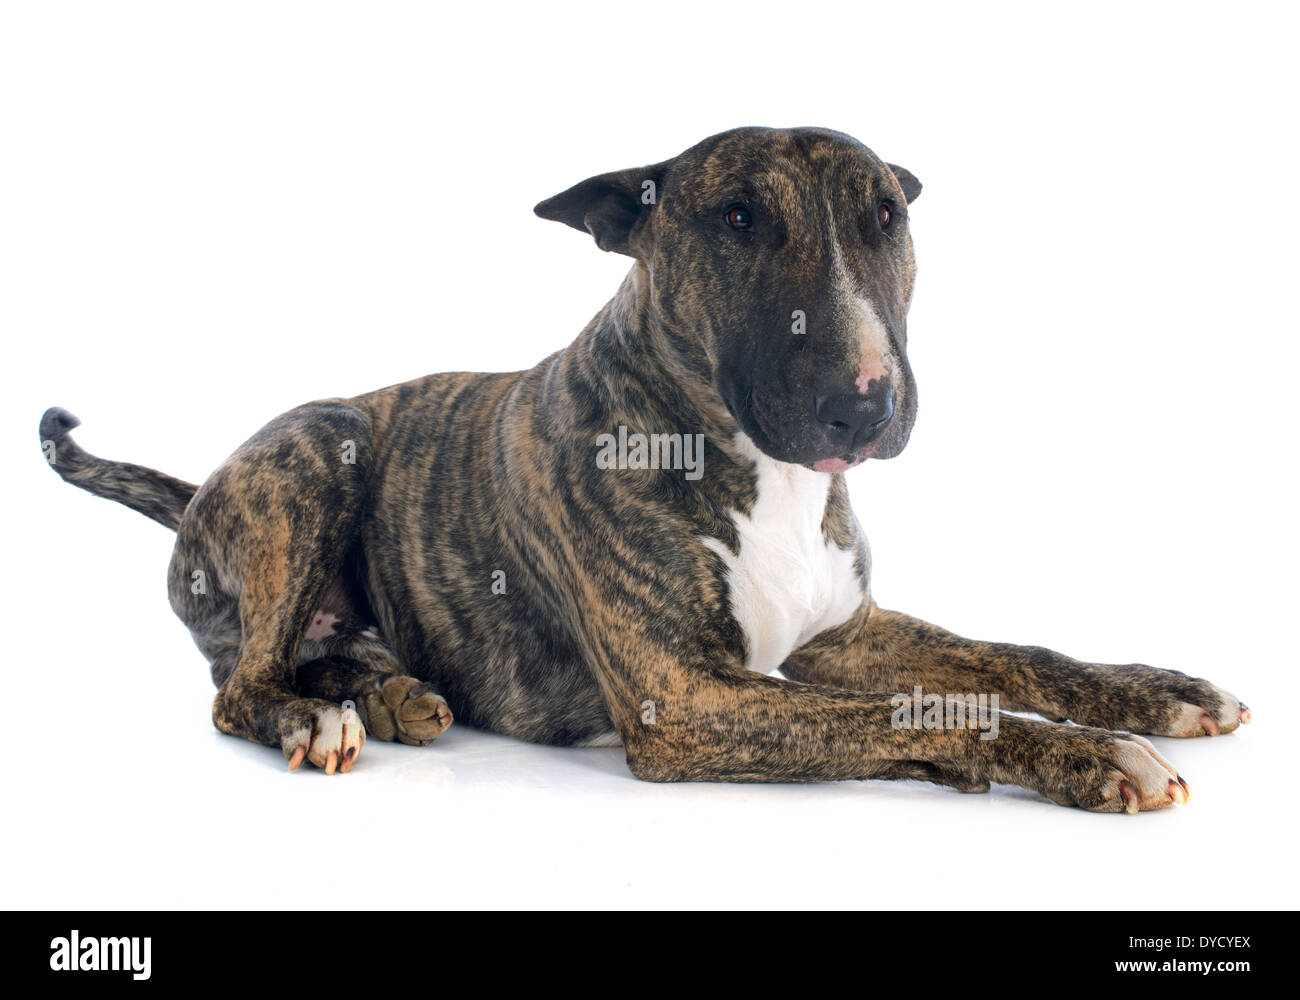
(392, 705)
(258, 547)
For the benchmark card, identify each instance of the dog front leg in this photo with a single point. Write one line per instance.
(724, 723)
(881, 650)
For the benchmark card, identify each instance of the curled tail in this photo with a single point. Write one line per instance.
(150, 492)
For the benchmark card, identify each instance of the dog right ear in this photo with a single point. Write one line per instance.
(614, 208)
(907, 181)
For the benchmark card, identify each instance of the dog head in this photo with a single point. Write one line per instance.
(785, 256)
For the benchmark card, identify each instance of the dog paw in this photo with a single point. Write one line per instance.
(1105, 772)
(1188, 706)
(404, 709)
(1142, 699)
(1213, 713)
(329, 736)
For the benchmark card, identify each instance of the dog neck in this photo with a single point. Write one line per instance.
(630, 368)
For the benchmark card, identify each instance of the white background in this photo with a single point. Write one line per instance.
(214, 212)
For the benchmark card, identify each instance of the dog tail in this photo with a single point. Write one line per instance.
(152, 493)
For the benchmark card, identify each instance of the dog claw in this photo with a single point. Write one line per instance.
(1130, 796)
(1243, 713)
(1187, 789)
(328, 736)
(1177, 792)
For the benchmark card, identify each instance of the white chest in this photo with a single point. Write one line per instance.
(788, 582)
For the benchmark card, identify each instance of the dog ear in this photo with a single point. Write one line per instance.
(907, 181)
(614, 208)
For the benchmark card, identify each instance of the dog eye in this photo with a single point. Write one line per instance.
(883, 215)
(738, 218)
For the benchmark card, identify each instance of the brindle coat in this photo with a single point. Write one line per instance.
(451, 544)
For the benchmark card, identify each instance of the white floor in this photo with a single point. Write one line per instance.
(188, 818)
(118, 793)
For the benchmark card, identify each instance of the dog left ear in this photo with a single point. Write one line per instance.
(614, 208)
(907, 181)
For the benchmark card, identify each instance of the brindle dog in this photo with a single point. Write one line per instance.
(455, 543)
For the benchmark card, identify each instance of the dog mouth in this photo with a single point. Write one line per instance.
(789, 433)
(841, 463)
(823, 458)
(841, 456)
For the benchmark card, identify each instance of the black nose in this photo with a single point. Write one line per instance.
(856, 417)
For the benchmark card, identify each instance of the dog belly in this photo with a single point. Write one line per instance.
(490, 660)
